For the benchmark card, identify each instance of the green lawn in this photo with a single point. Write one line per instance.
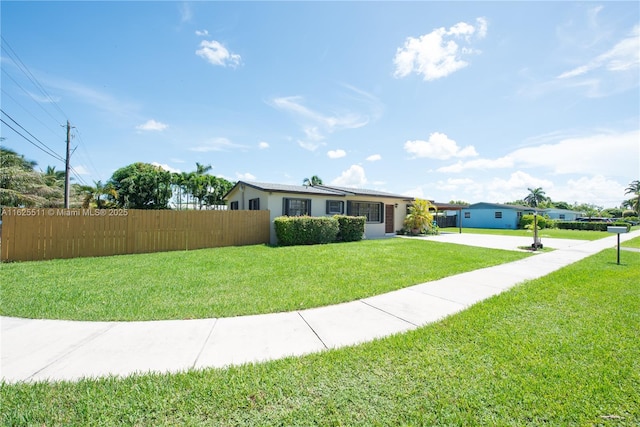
(230, 281)
(633, 243)
(547, 232)
(558, 351)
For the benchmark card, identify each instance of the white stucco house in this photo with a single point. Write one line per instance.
(385, 212)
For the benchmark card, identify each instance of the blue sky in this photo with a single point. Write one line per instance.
(473, 101)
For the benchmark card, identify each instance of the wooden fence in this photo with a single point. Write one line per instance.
(39, 234)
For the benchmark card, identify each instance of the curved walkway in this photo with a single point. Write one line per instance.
(35, 350)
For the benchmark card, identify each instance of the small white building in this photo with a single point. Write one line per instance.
(385, 212)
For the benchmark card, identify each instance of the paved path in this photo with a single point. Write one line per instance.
(34, 350)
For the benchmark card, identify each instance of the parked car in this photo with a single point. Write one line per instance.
(594, 219)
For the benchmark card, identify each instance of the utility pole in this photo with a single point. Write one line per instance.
(67, 169)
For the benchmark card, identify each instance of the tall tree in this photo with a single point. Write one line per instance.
(202, 169)
(22, 186)
(535, 197)
(142, 186)
(53, 177)
(99, 195)
(314, 180)
(634, 189)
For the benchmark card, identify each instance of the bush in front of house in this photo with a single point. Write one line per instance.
(526, 222)
(351, 228)
(305, 230)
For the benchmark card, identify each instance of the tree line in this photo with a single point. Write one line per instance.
(135, 186)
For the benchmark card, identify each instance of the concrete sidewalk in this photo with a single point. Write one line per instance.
(35, 350)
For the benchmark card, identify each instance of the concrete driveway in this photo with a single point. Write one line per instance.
(511, 243)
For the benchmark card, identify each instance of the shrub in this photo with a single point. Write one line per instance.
(526, 222)
(419, 219)
(305, 230)
(593, 226)
(351, 228)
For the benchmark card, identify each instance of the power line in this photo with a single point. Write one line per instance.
(29, 95)
(82, 145)
(21, 65)
(30, 142)
(29, 112)
(43, 147)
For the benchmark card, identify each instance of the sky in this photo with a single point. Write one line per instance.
(473, 101)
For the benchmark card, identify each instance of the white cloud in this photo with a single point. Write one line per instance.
(81, 170)
(460, 166)
(185, 12)
(202, 33)
(500, 190)
(166, 167)
(215, 53)
(602, 153)
(263, 145)
(439, 146)
(625, 55)
(44, 99)
(310, 145)
(99, 100)
(596, 189)
(436, 54)
(374, 158)
(417, 193)
(612, 154)
(216, 144)
(245, 176)
(316, 124)
(352, 177)
(336, 154)
(330, 123)
(152, 125)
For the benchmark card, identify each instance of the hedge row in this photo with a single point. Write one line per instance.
(594, 226)
(307, 230)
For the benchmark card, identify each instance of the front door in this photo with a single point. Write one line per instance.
(389, 219)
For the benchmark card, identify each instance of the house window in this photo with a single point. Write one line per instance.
(372, 211)
(335, 207)
(234, 206)
(296, 207)
(562, 216)
(467, 215)
(498, 215)
(254, 204)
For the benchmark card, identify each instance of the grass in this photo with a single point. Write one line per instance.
(224, 282)
(558, 351)
(554, 233)
(633, 243)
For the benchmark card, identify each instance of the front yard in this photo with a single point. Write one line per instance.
(232, 281)
(558, 351)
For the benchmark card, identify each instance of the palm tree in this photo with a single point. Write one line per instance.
(54, 178)
(202, 169)
(22, 186)
(95, 194)
(314, 180)
(535, 197)
(420, 217)
(634, 189)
